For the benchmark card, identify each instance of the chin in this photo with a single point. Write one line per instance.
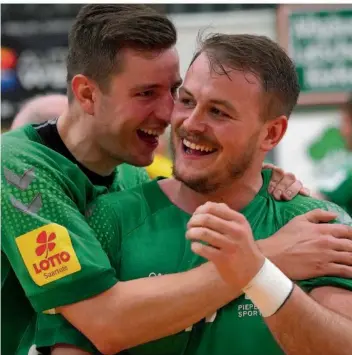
(200, 183)
(142, 161)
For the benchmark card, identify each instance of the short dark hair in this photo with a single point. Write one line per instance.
(101, 31)
(260, 56)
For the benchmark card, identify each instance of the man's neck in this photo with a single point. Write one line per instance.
(80, 141)
(237, 195)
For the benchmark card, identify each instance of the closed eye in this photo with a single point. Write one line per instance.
(147, 93)
(215, 111)
(174, 92)
(187, 102)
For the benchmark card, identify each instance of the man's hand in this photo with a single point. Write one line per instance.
(230, 244)
(284, 186)
(309, 247)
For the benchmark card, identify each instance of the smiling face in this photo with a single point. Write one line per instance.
(128, 116)
(138, 107)
(122, 71)
(217, 129)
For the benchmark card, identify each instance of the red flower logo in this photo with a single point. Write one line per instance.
(46, 243)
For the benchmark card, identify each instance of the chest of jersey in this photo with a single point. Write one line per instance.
(159, 247)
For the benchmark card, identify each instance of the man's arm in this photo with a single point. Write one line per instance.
(52, 250)
(139, 311)
(336, 299)
(307, 247)
(304, 323)
(126, 314)
(304, 326)
(322, 321)
(300, 325)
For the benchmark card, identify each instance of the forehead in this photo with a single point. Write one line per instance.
(149, 67)
(239, 88)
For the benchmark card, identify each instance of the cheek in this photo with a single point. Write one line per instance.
(233, 149)
(105, 112)
(128, 117)
(232, 138)
(349, 129)
(140, 111)
(179, 114)
(235, 143)
(166, 100)
(174, 143)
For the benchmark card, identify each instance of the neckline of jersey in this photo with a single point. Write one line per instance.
(156, 196)
(93, 177)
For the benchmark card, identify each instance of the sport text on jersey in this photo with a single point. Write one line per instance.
(48, 253)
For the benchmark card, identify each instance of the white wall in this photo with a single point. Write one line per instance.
(303, 129)
(253, 22)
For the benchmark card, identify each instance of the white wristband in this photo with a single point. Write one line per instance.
(269, 289)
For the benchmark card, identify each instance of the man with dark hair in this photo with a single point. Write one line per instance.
(338, 187)
(233, 108)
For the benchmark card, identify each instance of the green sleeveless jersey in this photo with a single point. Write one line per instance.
(147, 239)
(49, 254)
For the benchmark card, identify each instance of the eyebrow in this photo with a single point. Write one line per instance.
(146, 87)
(221, 102)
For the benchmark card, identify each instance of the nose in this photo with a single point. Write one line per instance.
(164, 108)
(194, 122)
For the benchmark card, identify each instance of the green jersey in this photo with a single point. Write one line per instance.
(337, 187)
(147, 239)
(50, 255)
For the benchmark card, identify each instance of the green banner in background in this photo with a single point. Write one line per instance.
(319, 40)
(327, 151)
(320, 44)
(329, 141)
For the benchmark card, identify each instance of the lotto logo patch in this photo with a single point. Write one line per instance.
(48, 253)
